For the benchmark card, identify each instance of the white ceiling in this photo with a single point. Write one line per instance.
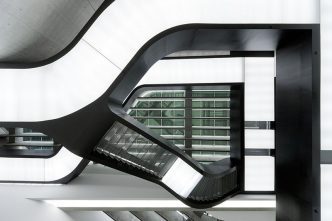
(36, 29)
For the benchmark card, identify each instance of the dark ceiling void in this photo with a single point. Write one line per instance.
(29, 41)
(297, 124)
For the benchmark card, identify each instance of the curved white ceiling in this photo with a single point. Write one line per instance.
(81, 76)
(57, 89)
(34, 30)
(127, 25)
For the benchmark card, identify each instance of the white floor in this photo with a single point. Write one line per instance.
(26, 202)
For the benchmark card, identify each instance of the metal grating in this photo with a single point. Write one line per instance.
(123, 144)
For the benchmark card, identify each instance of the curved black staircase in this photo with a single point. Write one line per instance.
(92, 132)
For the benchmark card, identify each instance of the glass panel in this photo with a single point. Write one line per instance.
(167, 104)
(165, 114)
(222, 143)
(168, 113)
(132, 113)
(142, 104)
(24, 142)
(221, 113)
(222, 94)
(178, 142)
(179, 113)
(178, 103)
(154, 104)
(142, 121)
(157, 131)
(216, 94)
(155, 113)
(222, 104)
(153, 122)
(210, 123)
(155, 94)
(142, 113)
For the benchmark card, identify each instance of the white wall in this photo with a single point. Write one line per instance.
(326, 192)
(134, 22)
(326, 74)
(326, 106)
(259, 89)
(39, 169)
(189, 71)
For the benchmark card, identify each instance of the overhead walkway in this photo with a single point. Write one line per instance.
(93, 133)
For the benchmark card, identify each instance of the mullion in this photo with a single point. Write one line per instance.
(188, 121)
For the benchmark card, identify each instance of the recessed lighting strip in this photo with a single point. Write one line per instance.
(264, 204)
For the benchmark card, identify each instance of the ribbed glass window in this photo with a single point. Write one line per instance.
(24, 142)
(197, 121)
